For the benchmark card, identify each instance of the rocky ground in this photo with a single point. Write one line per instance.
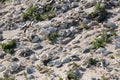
(60, 39)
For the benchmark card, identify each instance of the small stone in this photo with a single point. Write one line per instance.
(118, 59)
(75, 57)
(88, 48)
(101, 50)
(57, 63)
(30, 76)
(36, 46)
(117, 44)
(33, 57)
(1, 37)
(30, 69)
(85, 21)
(110, 25)
(15, 66)
(2, 68)
(66, 60)
(34, 38)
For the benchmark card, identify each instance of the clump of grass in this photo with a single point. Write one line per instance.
(60, 78)
(10, 78)
(98, 7)
(38, 68)
(85, 26)
(104, 78)
(33, 13)
(2, 1)
(102, 41)
(9, 46)
(75, 65)
(100, 13)
(112, 57)
(52, 36)
(71, 75)
(93, 61)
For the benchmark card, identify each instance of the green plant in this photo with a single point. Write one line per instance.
(93, 61)
(85, 26)
(112, 57)
(38, 68)
(32, 13)
(98, 7)
(2, 1)
(71, 75)
(75, 65)
(101, 42)
(60, 78)
(9, 46)
(94, 14)
(52, 36)
(10, 78)
(25, 75)
(104, 78)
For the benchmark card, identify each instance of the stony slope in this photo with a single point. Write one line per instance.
(60, 40)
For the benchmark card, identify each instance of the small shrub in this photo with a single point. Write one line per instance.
(102, 41)
(32, 13)
(104, 78)
(93, 61)
(2, 1)
(9, 46)
(71, 75)
(10, 78)
(52, 36)
(60, 78)
(85, 26)
(98, 7)
(75, 65)
(112, 57)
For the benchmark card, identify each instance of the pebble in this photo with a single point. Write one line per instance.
(117, 44)
(30, 69)
(2, 68)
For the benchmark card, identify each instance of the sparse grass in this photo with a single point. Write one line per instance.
(60, 78)
(100, 13)
(102, 41)
(52, 36)
(9, 46)
(71, 75)
(85, 26)
(104, 78)
(2, 1)
(112, 57)
(75, 65)
(98, 7)
(25, 75)
(38, 68)
(93, 62)
(33, 13)
(10, 78)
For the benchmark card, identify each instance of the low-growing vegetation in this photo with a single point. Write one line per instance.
(101, 42)
(71, 75)
(52, 36)
(85, 26)
(1, 1)
(93, 62)
(9, 46)
(104, 78)
(33, 13)
(10, 78)
(100, 13)
(104, 38)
